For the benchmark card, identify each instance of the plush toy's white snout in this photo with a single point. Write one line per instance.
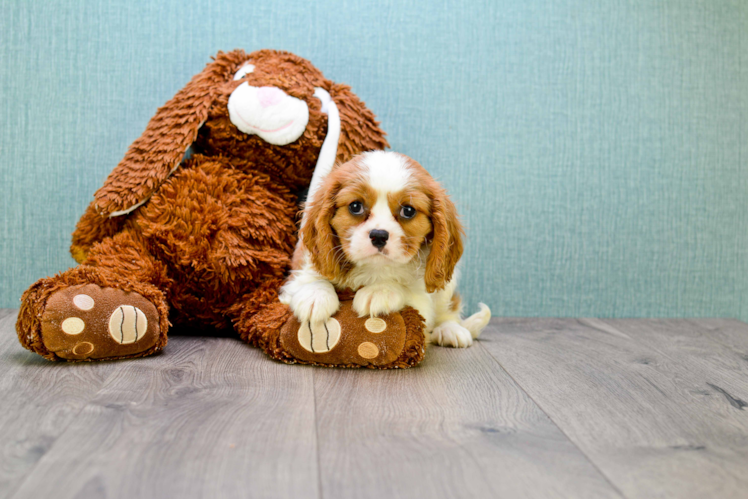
(268, 112)
(280, 119)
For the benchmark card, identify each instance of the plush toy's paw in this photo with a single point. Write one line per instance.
(376, 300)
(390, 341)
(312, 302)
(90, 322)
(451, 334)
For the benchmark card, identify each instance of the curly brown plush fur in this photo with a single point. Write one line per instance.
(210, 238)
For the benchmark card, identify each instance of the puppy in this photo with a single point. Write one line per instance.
(381, 225)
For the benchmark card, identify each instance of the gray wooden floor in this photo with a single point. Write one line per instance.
(538, 407)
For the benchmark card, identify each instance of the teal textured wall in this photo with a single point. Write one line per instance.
(596, 150)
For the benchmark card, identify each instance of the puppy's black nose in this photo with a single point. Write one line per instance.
(379, 237)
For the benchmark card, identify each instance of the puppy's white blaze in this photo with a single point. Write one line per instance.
(386, 172)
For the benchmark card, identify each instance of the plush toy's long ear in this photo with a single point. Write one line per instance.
(446, 244)
(156, 153)
(359, 128)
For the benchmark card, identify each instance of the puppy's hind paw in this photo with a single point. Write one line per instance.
(451, 334)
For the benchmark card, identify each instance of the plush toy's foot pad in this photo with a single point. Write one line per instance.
(90, 322)
(346, 339)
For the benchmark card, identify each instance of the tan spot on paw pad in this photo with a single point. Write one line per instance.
(375, 325)
(367, 350)
(73, 326)
(83, 348)
(83, 302)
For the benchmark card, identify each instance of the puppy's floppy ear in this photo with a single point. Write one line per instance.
(156, 153)
(316, 231)
(359, 128)
(446, 244)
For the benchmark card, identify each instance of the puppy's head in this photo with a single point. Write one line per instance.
(382, 208)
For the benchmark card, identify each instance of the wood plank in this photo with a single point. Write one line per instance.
(456, 426)
(729, 332)
(635, 397)
(716, 356)
(211, 417)
(40, 399)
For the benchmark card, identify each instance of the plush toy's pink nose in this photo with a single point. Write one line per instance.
(269, 96)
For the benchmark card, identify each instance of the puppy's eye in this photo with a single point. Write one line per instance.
(356, 208)
(407, 212)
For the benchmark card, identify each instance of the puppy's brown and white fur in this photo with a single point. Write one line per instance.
(381, 225)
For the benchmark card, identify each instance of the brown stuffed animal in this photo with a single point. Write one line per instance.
(203, 238)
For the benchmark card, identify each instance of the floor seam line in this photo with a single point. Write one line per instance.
(316, 435)
(592, 462)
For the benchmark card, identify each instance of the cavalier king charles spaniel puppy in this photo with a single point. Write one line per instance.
(381, 225)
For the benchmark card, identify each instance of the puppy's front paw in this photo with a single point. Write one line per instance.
(314, 302)
(378, 299)
(451, 334)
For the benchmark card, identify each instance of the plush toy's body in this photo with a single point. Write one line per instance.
(204, 240)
